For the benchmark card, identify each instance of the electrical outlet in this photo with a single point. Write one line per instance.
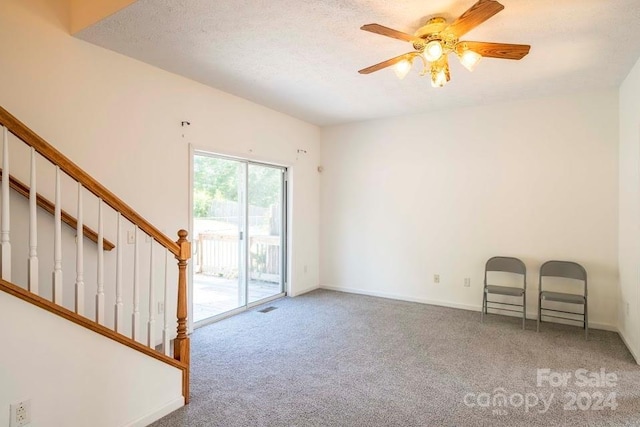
(306, 269)
(131, 237)
(160, 307)
(20, 413)
(436, 278)
(627, 309)
(467, 282)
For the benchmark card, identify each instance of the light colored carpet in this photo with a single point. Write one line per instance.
(335, 359)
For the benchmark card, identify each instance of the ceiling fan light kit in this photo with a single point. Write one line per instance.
(469, 59)
(402, 68)
(440, 72)
(434, 41)
(433, 51)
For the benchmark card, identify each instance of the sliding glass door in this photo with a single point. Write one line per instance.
(264, 231)
(238, 232)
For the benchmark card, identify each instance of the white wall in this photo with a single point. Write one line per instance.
(629, 227)
(120, 120)
(85, 378)
(405, 198)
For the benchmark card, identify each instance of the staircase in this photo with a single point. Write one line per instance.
(107, 301)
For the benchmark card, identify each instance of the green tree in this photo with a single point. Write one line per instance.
(220, 179)
(264, 186)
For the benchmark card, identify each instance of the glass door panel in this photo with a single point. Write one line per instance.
(265, 234)
(239, 229)
(219, 219)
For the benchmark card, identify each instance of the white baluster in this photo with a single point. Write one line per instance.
(32, 274)
(119, 304)
(79, 256)
(166, 337)
(5, 243)
(100, 278)
(151, 325)
(135, 317)
(57, 244)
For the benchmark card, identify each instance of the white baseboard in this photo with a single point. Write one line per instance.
(400, 297)
(165, 409)
(602, 327)
(303, 291)
(631, 350)
(449, 304)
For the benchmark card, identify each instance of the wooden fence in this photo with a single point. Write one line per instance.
(219, 255)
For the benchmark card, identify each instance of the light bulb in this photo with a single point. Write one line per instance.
(433, 51)
(438, 78)
(469, 59)
(402, 68)
(440, 73)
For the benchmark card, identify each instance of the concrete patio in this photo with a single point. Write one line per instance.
(214, 295)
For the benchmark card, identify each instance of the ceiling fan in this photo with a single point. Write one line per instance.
(433, 42)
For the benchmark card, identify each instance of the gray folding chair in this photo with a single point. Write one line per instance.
(506, 265)
(565, 270)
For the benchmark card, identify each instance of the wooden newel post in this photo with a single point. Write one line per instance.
(181, 347)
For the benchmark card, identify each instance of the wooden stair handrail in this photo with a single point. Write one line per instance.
(47, 151)
(38, 301)
(23, 189)
(181, 249)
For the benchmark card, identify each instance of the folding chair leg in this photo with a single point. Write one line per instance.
(524, 310)
(484, 303)
(539, 312)
(586, 321)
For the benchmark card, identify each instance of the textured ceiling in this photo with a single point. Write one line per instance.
(302, 57)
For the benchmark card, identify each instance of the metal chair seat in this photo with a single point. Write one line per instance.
(504, 290)
(562, 297)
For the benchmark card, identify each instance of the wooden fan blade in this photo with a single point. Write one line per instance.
(389, 32)
(476, 15)
(385, 64)
(498, 50)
